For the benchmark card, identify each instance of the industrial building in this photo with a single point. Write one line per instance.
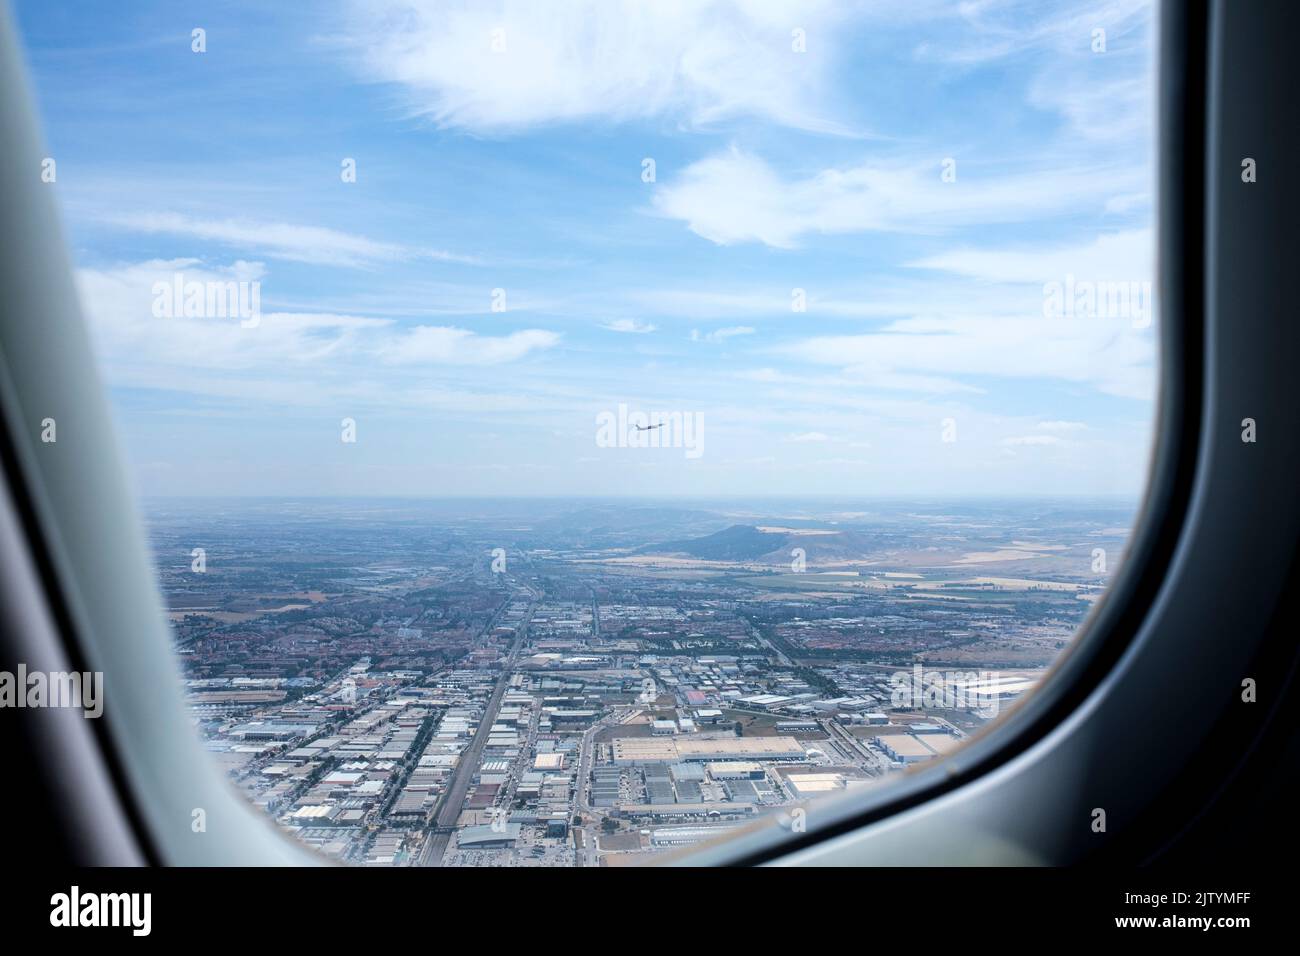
(736, 770)
(741, 748)
(805, 785)
(686, 835)
(639, 751)
(486, 836)
(642, 751)
(685, 811)
(798, 726)
(904, 748)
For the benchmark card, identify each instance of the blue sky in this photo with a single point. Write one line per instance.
(513, 161)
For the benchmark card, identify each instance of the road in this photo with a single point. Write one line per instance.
(871, 762)
(771, 648)
(589, 853)
(453, 798)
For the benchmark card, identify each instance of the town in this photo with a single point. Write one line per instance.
(578, 684)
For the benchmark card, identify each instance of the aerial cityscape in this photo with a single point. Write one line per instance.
(563, 682)
(503, 381)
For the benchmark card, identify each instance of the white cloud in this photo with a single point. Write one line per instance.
(876, 375)
(718, 336)
(1127, 203)
(119, 303)
(633, 326)
(769, 376)
(1118, 109)
(840, 462)
(810, 437)
(1032, 440)
(734, 197)
(511, 64)
(996, 29)
(452, 346)
(859, 376)
(710, 303)
(1109, 355)
(1117, 256)
(146, 348)
(281, 240)
(1100, 96)
(945, 346)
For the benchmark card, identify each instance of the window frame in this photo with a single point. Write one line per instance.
(1012, 795)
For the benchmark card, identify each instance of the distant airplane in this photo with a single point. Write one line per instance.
(646, 428)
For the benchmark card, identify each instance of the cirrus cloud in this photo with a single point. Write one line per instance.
(494, 67)
(447, 345)
(316, 245)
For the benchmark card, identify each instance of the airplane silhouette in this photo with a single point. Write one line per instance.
(646, 428)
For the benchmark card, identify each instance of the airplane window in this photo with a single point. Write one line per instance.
(569, 432)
